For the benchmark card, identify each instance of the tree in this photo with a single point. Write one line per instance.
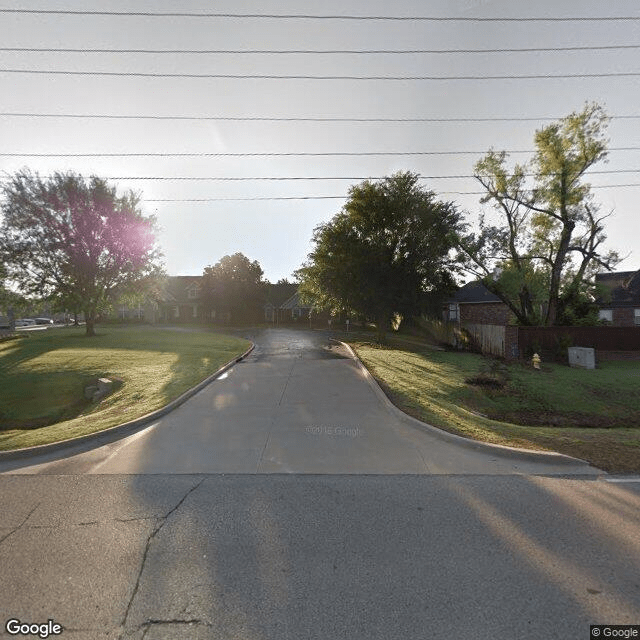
(386, 253)
(9, 300)
(75, 241)
(234, 285)
(541, 255)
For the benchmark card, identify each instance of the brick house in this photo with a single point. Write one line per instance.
(620, 303)
(181, 300)
(276, 295)
(473, 303)
(293, 309)
(284, 304)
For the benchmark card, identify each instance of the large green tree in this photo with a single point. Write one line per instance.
(75, 240)
(234, 285)
(386, 253)
(540, 252)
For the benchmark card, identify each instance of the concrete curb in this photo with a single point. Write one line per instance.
(111, 434)
(496, 449)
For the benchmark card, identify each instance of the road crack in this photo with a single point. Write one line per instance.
(92, 523)
(148, 623)
(20, 525)
(286, 384)
(161, 522)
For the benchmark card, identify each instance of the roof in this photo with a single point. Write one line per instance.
(623, 288)
(176, 287)
(473, 292)
(294, 301)
(277, 294)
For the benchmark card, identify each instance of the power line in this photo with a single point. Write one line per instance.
(227, 76)
(593, 186)
(319, 51)
(269, 154)
(287, 118)
(310, 178)
(316, 178)
(297, 16)
(344, 196)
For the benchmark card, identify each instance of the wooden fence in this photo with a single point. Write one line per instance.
(489, 338)
(552, 342)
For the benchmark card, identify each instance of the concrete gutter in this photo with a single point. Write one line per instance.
(496, 449)
(106, 436)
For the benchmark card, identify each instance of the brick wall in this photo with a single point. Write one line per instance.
(623, 317)
(485, 313)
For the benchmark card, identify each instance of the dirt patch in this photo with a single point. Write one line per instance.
(484, 381)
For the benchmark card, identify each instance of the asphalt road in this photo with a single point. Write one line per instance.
(299, 527)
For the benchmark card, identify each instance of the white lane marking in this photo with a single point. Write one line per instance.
(126, 442)
(633, 479)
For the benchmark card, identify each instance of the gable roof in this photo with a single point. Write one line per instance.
(277, 294)
(623, 287)
(473, 292)
(294, 301)
(176, 287)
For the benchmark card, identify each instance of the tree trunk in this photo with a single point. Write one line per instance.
(90, 322)
(568, 225)
(383, 322)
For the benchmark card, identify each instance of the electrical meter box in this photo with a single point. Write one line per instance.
(582, 357)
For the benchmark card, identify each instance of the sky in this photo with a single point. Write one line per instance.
(202, 220)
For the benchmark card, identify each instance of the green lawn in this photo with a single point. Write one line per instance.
(43, 376)
(594, 415)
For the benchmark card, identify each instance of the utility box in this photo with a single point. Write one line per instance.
(582, 357)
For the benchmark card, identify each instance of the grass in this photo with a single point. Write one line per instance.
(43, 376)
(593, 415)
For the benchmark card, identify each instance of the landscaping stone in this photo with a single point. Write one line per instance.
(98, 391)
(105, 385)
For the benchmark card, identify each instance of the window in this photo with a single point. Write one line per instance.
(636, 317)
(192, 293)
(606, 315)
(176, 312)
(453, 312)
(195, 310)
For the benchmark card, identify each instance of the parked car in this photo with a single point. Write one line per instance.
(25, 322)
(43, 321)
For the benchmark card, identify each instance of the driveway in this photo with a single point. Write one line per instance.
(297, 404)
